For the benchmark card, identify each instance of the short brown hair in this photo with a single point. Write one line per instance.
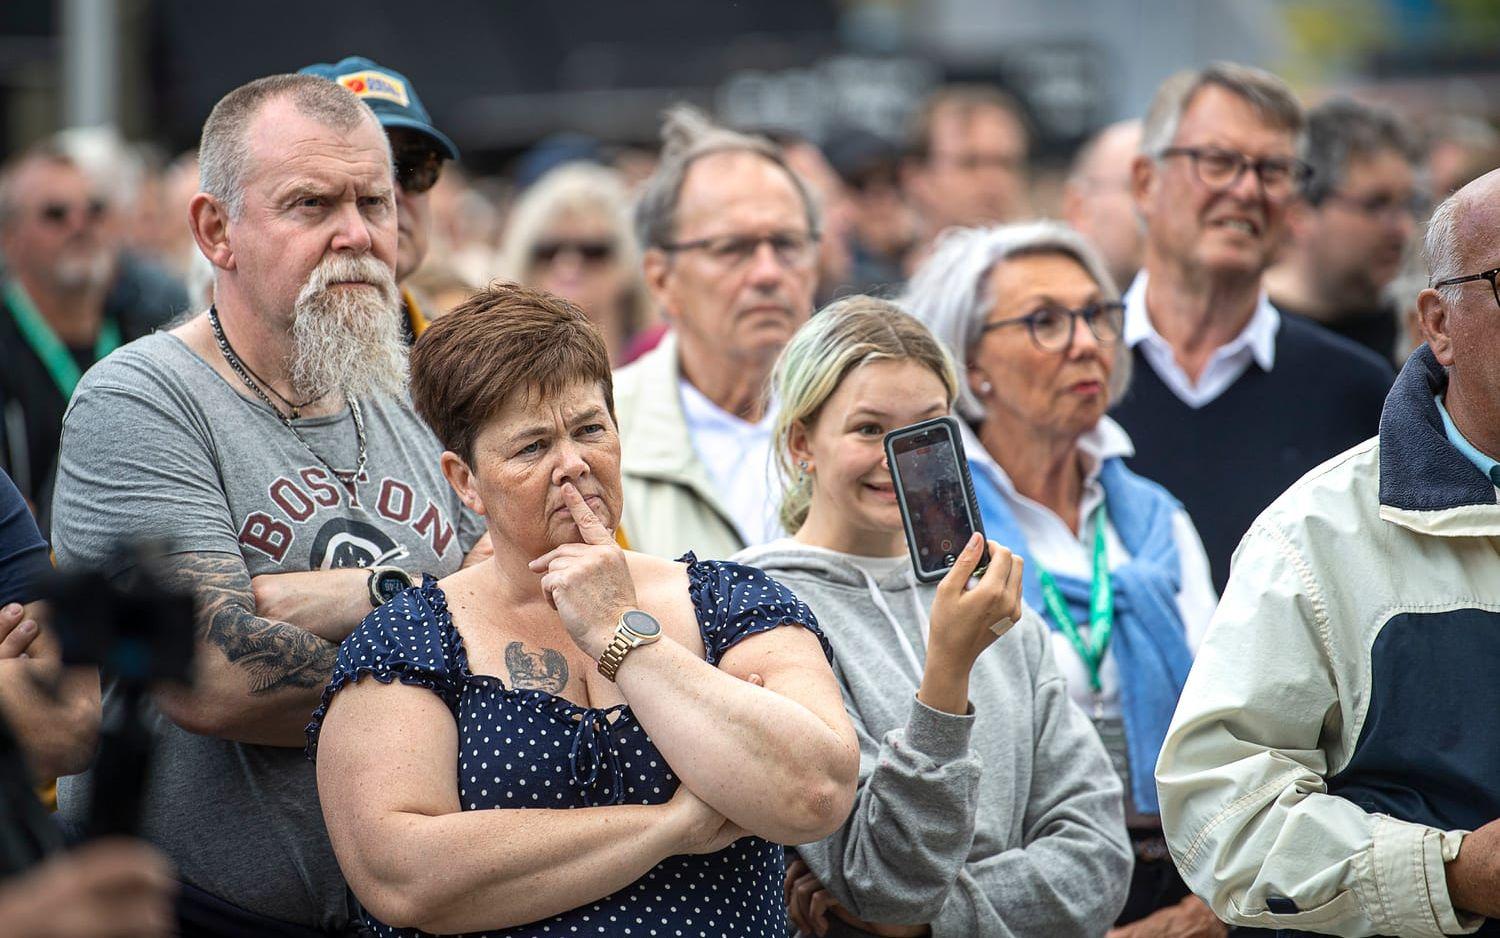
(504, 339)
(965, 100)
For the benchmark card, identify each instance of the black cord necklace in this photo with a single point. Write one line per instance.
(238, 366)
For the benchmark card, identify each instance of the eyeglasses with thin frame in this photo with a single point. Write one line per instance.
(59, 213)
(1219, 169)
(1488, 275)
(793, 249)
(418, 170)
(1052, 327)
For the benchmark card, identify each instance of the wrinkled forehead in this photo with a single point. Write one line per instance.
(283, 142)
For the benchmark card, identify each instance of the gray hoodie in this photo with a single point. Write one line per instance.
(1005, 822)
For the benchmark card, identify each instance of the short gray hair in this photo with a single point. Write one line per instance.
(688, 135)
(950, 292)
(1269, 95)
(223, 151)
(47, 152)
(1440, 246)
(1344, 130)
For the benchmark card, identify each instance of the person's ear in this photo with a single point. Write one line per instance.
(979, 383)
(1143, 182)
(1432, 312)
(461, 477)
(209, 221)
(657, 267)
(798, 444)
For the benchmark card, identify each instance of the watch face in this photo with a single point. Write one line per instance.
(391, 582)
(641, 623)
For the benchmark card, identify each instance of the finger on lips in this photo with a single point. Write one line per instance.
(590, 528)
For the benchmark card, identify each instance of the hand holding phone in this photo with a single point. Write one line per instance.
(936, 495)
(968, 616)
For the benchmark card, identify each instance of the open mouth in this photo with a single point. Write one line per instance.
(1242, 225)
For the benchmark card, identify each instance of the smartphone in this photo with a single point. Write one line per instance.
(936, 495)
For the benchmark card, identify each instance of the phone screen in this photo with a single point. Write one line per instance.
(932, 483)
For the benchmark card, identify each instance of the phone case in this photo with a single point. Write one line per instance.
(972, 502)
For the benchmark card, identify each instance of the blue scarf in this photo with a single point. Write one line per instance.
(1149, 642)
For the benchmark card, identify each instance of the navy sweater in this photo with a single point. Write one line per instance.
(1229, 459)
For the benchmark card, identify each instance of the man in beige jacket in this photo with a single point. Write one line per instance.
(730, 236)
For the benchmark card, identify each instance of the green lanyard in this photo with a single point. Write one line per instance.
(1101, 609)
(55, 356)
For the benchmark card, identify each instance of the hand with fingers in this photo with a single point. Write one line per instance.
(588, 583)
(809, 905)
(16, 632)
(966, 619)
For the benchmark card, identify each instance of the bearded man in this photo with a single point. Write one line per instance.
(267, 442)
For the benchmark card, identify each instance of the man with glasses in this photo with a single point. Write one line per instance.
(1330, 767)
(1350, 232)
(730, 236)
(55, 321)
(418, 150)
(1231, 401)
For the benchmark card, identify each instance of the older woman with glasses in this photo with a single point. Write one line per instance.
(569, 234)
(1115, 564)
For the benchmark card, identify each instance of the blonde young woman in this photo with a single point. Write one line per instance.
(569, 234)
(986, 804)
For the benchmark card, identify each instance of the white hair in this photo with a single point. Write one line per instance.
(1440, 247)
(950, 292)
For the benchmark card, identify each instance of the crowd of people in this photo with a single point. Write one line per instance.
(586, 472)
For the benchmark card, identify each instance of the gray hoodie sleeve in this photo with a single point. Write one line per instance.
(1073, 872)
(896, 858)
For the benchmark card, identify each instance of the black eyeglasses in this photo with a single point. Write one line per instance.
(588, 252)
(793, 249)
(1052, 327)
(1489, 275)
(418, 170)
(58, 213)
(1279, 176)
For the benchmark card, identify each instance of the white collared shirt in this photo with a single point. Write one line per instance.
(1059, 550)
(1255, 343)
(737, 455)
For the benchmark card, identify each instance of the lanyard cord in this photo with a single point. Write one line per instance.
(1101, 609)
(54, 355)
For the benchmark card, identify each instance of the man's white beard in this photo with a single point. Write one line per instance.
(90, 270)
(348, 339)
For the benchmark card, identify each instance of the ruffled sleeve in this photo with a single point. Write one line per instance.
(410, 638)
(734, 601)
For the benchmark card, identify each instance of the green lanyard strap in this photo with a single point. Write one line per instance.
(1101, 609)
(55, 356)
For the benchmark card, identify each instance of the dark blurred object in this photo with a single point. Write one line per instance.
(140, 635)
(882, 224)
(27, 834)
(552, 152)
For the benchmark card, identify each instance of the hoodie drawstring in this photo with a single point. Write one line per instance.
(878, 599)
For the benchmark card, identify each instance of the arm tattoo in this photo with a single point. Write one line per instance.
(545, 670)
(275, 654)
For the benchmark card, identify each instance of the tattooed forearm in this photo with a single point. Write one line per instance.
(545, 670)
(273, 654)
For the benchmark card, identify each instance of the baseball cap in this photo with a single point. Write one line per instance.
(388, 94)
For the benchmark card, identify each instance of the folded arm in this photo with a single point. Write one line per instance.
(386, 780)
(256, 679)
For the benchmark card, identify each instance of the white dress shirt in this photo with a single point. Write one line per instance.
(737, 455)
(1255, 343)
(1058, 550)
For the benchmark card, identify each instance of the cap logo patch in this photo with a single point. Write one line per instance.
(376, 85)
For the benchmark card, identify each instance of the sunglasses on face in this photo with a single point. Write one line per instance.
(589, 252)
(58, 213)
(418, 170)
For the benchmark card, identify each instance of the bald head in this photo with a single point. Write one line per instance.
(1107, 154)
(1462, 233)
(1097, 202)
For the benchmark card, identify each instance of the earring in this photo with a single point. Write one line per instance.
(803, 466)
(985, 387)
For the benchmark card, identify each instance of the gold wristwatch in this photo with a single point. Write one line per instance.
(635, 628)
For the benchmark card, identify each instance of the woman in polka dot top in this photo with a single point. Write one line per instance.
(569, 738)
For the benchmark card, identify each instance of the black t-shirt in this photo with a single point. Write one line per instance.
(1376, 329)
(23, 553)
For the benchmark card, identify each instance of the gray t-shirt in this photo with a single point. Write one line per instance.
(157, 445)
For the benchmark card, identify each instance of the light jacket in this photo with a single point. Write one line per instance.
(670, 503)
(1336, 737)
(1005, 822)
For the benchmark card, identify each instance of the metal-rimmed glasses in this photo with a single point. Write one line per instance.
(1052, 327)
(1490, 275)
(793, 249)
(1219, 169)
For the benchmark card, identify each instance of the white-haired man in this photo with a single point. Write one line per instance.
(1331, 768)
(268, 444)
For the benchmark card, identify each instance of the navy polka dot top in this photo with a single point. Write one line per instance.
(529, 749)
